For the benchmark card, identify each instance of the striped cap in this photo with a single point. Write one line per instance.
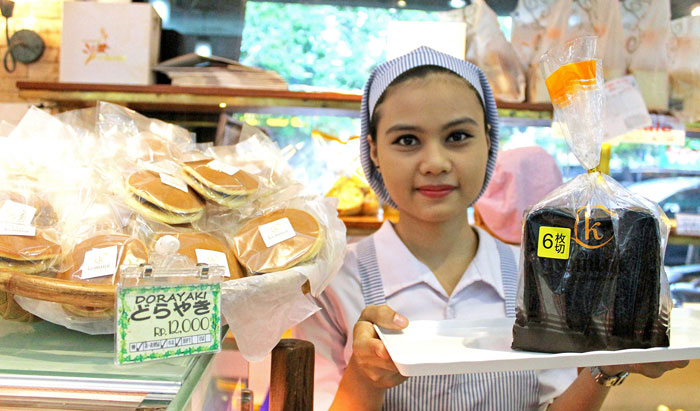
(382, 76)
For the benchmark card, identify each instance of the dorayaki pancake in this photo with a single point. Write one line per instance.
(30, 255)
(45, 215)
(159, 201)
(153, 148)
(130, 251)
(254, 255)
(218, 186)
(192, 241)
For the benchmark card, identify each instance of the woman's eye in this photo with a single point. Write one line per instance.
(457, 137)
(406, 140)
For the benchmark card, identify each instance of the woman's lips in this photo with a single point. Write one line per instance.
(436, 191)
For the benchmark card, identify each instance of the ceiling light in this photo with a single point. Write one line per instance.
(401, 3)
(457, 4)
(695, 10)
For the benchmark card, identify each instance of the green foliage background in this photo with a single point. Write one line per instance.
(322, 45)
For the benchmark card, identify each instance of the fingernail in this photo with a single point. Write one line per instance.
(400, 320)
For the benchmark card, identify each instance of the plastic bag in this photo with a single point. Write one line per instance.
(601, 18)
(529, 21)
(157, 191)
(488, 48)
(260, 308)
(648, 32)
(592, 275)
(685, 68)
(555, 33)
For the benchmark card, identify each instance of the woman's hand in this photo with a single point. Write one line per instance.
(370, 371)
(369, 353)
(651, 369)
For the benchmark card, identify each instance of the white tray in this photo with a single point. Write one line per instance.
(459, 347)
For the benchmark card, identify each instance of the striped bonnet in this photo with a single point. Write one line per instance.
(382, 76)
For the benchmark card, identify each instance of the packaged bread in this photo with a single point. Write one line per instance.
(98, 260)
(592, 273)
(647, 39)
(29, 240)
(278, 240)
(205, 248)
(355, 197)
(163, 197)
(220, 182)
(685, 68)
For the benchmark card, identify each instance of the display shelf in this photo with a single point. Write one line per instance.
(57, 364)
(162, 97)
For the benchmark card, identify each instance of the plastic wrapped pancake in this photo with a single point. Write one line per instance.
(153, 198)
(219, 182)
(278, 240)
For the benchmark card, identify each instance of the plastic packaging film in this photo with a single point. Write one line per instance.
(592, 274)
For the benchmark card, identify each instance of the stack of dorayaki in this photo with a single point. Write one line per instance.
(147, 184)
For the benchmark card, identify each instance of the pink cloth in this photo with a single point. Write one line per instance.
(523, 177)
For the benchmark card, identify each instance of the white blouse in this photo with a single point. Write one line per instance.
(412, 290)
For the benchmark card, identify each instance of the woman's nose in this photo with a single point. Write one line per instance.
(435, 160)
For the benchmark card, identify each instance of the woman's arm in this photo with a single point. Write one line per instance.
(370, 371)
(586, 394)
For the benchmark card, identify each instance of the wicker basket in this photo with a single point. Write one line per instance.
(49, 289)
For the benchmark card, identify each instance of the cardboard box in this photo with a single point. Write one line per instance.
(109, 43)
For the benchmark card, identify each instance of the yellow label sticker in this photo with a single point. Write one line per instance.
(554, 242)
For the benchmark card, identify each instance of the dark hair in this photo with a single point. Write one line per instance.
(414, 73)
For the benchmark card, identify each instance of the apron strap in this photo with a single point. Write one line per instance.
(372, 286)
(509, 272)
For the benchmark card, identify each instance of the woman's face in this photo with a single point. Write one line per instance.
(431, 146)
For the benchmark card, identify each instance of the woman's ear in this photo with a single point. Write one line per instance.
(373, 151)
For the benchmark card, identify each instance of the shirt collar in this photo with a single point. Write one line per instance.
(400, 269)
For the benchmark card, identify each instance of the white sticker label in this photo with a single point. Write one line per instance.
(624, 108)
(17, 229)
(251, 168)
(99, 262)
(212, 257)
(17, 213)
(173, 182)
(276, 231)
(688, 224)
(222, 167)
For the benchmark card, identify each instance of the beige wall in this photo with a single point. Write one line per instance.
(44, 17)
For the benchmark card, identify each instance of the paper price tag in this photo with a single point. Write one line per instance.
(214, 258)
(100, 262)
(276, 231)
(554, 242)
(158, 322)
(17, 229)
(223, 167)
(251, 168)
(624, 108)
(18, 213)
(688, 224)
(173, 182)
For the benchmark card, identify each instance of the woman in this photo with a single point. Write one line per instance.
(432, 139)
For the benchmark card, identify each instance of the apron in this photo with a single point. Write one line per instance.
(516, 390)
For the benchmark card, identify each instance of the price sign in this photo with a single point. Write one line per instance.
(157, 322)
(554, 242)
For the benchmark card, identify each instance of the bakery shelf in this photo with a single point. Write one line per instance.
(161, 97)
